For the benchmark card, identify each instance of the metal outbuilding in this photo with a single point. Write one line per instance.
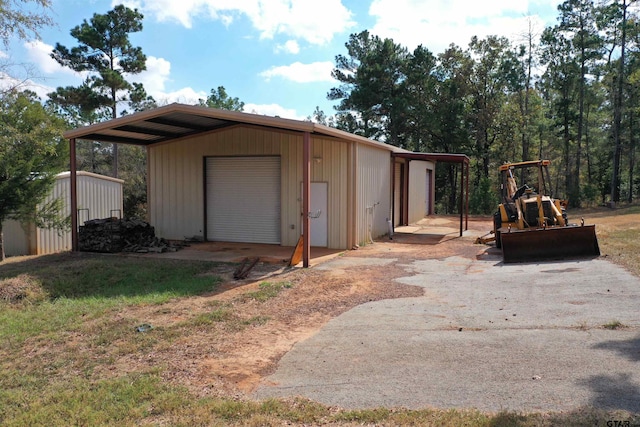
(238, 177)
(98, 196)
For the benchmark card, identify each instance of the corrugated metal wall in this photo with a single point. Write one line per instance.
(373, 204)
(418, 191)
(176, 179)
(16, 238)
(329, 164)
(98, 197)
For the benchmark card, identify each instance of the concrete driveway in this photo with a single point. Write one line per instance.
(485, 335)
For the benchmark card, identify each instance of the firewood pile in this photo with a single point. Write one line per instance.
(121, 235)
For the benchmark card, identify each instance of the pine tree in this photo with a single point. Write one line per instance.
(105, 51)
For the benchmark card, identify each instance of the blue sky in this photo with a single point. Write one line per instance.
(274, 55)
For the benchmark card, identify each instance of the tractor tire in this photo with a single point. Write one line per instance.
(497, 223)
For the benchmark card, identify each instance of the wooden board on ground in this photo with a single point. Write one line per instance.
(296, 257)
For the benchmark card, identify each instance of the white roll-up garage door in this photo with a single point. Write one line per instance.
(243, 199)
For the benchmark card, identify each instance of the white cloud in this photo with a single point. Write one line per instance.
(291, 46)
(11, 82)
(302, 73)
(272, 110)
(185, 95)
(39, 53)
(155, 76)
(38, 72)
(438, 23)
(313, 21)
(155, 79)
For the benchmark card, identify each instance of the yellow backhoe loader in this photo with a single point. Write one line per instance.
(530, 225)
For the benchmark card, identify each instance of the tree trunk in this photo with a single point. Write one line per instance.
(1, 244)
(453, 183)
(526, 139)
(586, 146)
(114, 114)
(632, 155)
(617, 111)
(567, 147)
(575, 193)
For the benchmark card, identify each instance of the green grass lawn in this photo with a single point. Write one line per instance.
(68, 326)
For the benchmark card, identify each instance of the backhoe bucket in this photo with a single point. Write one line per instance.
(538, 244)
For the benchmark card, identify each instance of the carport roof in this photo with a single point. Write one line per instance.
(434, 157)
(175, 121)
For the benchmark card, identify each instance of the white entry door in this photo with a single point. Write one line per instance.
(318, 220)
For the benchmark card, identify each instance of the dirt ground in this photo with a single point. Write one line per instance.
(229, 356)
(223, 360)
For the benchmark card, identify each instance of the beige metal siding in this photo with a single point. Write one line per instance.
(373, 193)
(329, 164)
(98, 197)
(49, 241)
(418, 191)
(16, 238)
(176, 179)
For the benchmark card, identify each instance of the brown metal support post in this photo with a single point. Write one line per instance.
(466, 223)
(306, 199)
(149, 201)
(461, 196)
(74, 196)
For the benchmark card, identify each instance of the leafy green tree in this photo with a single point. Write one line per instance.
(349, 122)
(133, 164)
(486, 101)
(526, 95)
(372, 94)
(133, 170)
(450, 129)
(387, 75)
(80, 106)
(483, 198)
(32, 152)
(578, 27)
(559, 86)
(319, 116)
(386, 92)
(492, 72)
(16, 20)
(219, 98)
(22, 19)
(351, 115)
(633, 114)
(420, 90)
(618, 22)
(105, 51)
